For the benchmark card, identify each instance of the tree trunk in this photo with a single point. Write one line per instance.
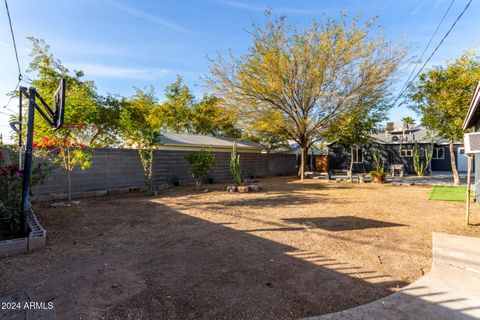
(350, 171)
(456, 178)
(303, 160)
(69, 181)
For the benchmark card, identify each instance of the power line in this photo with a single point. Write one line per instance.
(14, 42)
(434, 51)
(7, 114)
(11, 97)
(424, 50)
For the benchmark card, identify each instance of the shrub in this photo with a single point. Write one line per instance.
(202, 162)
(11, 185)
(379, 172)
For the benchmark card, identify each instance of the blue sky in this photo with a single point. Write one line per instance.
(123, 43)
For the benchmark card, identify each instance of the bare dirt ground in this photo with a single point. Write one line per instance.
(291, 251)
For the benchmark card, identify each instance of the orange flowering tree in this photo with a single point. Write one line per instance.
(68, 150)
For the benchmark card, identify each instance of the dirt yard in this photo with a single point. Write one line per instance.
(293, 250)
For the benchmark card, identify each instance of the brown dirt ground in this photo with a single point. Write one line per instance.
(291, 251)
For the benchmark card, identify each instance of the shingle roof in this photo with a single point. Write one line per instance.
(196, 140)
(419, 135)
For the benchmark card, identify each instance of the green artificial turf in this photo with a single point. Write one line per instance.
(448, 193)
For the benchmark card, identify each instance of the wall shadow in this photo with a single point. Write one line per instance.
(342, 223)
(155, 262)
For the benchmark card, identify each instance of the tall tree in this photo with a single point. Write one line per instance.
(181, 112)
(208, 116)
(354, 128)
(176, 110)
(140, 129)
(87, 119)
(308, 76)
(82, 104)
(408, 122)
(441, 97)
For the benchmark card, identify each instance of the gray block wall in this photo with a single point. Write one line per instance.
(121, 168)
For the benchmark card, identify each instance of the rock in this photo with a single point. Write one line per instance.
(59, 205)
(231, 188)
(243, 189)
(254, 187)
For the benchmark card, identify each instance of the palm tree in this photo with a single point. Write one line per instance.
(408, 123)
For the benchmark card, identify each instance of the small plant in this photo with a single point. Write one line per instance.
(378, 175)
(421, 165)
(235, 165)
(202, 162)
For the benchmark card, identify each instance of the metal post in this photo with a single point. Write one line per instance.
(20, 125)
(469, 169)
(25, 204)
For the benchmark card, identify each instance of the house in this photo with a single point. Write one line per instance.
(472, 121)
(395, 146)
(316, 157)
(192, 142)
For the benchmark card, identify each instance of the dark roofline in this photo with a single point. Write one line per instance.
(473, 114)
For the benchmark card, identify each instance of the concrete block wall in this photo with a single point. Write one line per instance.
(121, 168)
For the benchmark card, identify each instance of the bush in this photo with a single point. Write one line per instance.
(202, 162)
(11, 185)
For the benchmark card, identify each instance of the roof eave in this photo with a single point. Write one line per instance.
(470, 119)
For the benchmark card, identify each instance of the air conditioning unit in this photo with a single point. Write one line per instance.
(472, 142)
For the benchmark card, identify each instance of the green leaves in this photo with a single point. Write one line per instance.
(202, 162)
(305, 79)
(182, 112)
(442, 95)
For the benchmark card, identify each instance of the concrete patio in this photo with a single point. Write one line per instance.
(436, 178)
(450, 291)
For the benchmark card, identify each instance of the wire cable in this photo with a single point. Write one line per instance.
(423, 53)
(14, 42)
(436, 49)
(12, 95)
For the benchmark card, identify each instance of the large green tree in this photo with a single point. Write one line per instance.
(82, 104)
(140, 128)
(354, 128)
(88, 121)
(208, 116)
(181, 112)
(308, 76)
(441, 97)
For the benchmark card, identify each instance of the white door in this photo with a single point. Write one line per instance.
(462, 160)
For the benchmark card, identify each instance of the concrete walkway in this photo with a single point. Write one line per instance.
(436, 178)
(450, 291)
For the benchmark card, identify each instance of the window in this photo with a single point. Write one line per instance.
(438, 153)
(357, 154)
(406, 152)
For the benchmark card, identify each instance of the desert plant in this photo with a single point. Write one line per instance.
(378, 176)
(202, 162)
(379, 163)
(235, 165)
(379, 173)
(420, 165)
